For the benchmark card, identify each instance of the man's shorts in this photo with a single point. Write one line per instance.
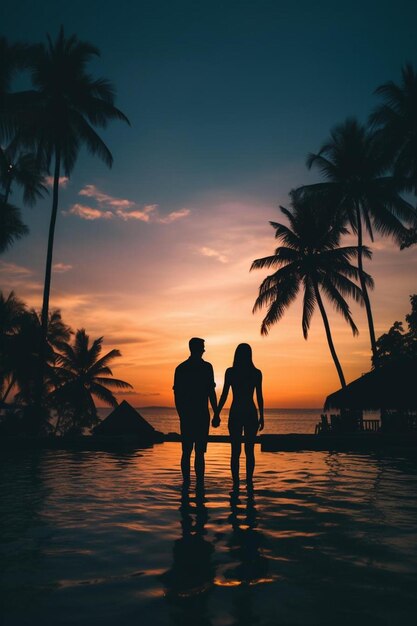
(195, 430)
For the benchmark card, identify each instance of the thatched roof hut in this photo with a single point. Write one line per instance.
(125, 420)
(391, 387)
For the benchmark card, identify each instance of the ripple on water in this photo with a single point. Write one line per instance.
(94, 537)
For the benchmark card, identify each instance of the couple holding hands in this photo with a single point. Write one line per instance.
(194, 387)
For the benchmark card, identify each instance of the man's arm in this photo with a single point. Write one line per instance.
(178, 391)
(212, 392)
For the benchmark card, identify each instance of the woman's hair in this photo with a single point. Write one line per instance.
(243, 357)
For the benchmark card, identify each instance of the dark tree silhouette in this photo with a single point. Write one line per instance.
(12, 310)
(312, 259)
(67, 104)
(397, 345)
(396, 119)
(12, 226)
(24, 170)
(22, 353)
(82, 373)
(13, 57)
(360, 193)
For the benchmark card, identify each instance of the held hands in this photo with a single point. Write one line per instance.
(215, 422)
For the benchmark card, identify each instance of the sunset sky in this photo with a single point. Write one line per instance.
(225, 100)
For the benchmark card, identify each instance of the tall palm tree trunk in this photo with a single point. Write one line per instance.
(46, 292)
(48, 269)
(329, 335)
(364, 288)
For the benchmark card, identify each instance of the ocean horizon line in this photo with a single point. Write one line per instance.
(162, 407)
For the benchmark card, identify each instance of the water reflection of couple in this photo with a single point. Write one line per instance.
(194, 387)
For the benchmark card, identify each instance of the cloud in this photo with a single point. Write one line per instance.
(215, 254)
(61, 268)
(91, 191)
(111, 207)
(14, 269)
(174, 216)
(88, 212)
(63, 181)
(144, 215)
(21, 280)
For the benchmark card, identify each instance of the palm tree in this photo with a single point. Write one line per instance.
(396, 120)
(310, 259)
(83, 373)
(360, 193)
(12, 310)
(22, 354)
(12, 226)
(13, 57)
(24, 169)
(67, 104)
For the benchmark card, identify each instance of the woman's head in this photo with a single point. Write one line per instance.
(243, 356)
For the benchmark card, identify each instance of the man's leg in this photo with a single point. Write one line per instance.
(187, 448)
(199, 462)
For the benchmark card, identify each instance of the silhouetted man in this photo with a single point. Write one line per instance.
(193, 388)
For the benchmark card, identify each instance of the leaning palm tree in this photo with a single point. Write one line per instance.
(359, 192)
(396, 121)
(67, 104)
(81, 374)
(311, 259)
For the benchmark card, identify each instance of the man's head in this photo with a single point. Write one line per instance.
(196, 346)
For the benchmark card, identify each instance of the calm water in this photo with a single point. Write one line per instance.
(105, 538)
(277, 421)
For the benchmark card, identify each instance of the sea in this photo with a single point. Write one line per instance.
(277, 421)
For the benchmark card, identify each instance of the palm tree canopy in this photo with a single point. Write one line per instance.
(21, 345)
(68, 102)
(12, 226)
(355, 171)
(13, 57)
(84, 372)
(396, 119)
(24, 169)
(310, 256)
(11, 311)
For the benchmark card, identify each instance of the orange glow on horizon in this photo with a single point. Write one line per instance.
(148, 305)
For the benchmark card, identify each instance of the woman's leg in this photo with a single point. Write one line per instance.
(250, 461)
(234, 460)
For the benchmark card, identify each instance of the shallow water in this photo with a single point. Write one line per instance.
(99, 537)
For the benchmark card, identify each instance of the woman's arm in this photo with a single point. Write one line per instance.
(260, 401)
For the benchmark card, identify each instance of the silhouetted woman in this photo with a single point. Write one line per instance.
(244, 379)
